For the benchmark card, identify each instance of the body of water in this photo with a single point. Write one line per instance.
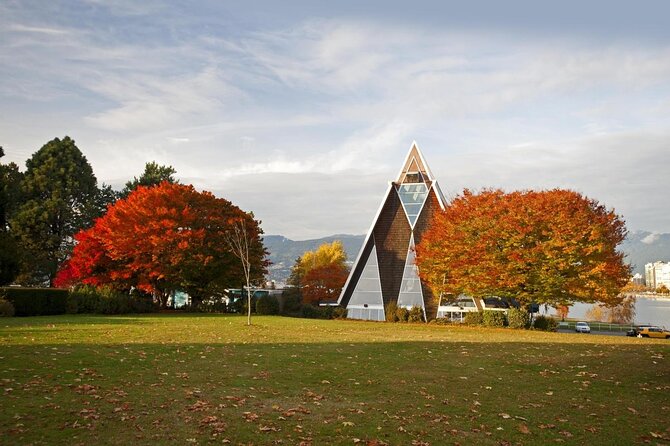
(647, 311)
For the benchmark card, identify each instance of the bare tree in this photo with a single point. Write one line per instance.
(239, 244)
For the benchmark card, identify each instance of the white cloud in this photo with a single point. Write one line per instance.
(651, 238)
(39, 30)
(342, 99)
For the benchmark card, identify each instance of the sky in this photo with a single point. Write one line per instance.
(302, 112)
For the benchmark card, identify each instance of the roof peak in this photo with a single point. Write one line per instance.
(414, 163)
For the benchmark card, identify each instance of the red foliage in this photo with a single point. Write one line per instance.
(163, 238)
(324, 283)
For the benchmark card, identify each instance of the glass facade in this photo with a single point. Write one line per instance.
(410, 289)
(412, 196)
(366, 300)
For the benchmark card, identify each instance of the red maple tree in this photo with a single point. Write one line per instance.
(324, 283)
(165, 238)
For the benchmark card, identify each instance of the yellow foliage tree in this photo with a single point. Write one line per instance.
(326, 255)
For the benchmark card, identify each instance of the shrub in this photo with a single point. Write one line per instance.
(402, 314)
(267, 305)
(492, 318)
(190, 308)
(242, 304)
(415, 314)
(473, 318)
(391, 312)
(6, 308)
(339, 313)
(440, 321)
(518, 318)
(84, 300)
(291, 300)
(310, 311)
(36, 301)
(545, 323)
(552, 324)
(327, 312)
(104, 300)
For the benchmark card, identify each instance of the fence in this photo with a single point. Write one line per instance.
(597, 326)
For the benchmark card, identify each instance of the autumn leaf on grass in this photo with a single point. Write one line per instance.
(198, 406)
(524, 429)
(632, 410)
(85, 389)
(250, 416)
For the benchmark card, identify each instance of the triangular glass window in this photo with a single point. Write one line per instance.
(412, 196)
(410, 289)
(368, 289)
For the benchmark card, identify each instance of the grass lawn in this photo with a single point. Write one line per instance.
(203, 379)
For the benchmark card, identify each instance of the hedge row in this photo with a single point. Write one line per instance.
(515, 318)
(394, 313)
(51, 301)
(36, 301)
(91, 300)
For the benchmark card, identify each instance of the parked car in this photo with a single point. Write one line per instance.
(654, 332)
(582, 327)
(636, 330)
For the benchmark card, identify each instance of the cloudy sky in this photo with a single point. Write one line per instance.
(303, 111)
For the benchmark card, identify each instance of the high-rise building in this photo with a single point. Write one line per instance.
(657, 274)
(385, 270)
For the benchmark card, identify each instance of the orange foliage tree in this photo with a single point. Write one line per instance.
(165, 238)
(551, 247)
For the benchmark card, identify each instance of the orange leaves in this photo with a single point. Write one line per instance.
(545, 247)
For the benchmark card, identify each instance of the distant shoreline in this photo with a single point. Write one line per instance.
(663, 297)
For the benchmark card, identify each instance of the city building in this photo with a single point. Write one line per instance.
(657, 274)
(385, 270)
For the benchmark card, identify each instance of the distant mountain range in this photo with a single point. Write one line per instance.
(640, 247)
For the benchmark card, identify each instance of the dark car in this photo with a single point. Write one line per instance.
(637, 329)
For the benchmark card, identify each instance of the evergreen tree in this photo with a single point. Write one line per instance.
(153, 175)
(10, 179)
(58, 192)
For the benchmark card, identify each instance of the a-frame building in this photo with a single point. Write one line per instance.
(385, 271)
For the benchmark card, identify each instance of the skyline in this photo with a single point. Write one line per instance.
(304, 112)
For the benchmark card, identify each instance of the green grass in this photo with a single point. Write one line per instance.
(171, 379)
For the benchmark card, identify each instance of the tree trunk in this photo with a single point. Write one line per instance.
(248, 304)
